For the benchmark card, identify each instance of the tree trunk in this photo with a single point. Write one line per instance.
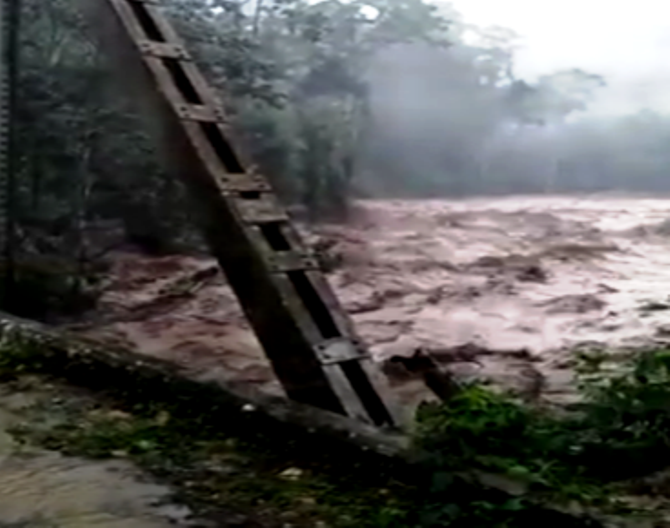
(11, 30)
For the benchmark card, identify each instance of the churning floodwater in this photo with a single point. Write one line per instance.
(501, 288)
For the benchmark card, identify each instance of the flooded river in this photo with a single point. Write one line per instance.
(503, 289)
(500, 288)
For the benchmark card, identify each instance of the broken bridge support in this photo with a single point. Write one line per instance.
(305, 333)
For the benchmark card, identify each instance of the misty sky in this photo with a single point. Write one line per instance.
(628, 42)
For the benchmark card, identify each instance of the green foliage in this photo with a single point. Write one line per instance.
(488, 460)
(618, 432)
(629, 417)
(488, 433)
(48, 290)
(85, 155)
(480, 427)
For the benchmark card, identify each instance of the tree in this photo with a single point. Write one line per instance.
(334, 98)
(557, 96)
(10, 81)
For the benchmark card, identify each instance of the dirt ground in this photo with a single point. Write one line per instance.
(43, 488)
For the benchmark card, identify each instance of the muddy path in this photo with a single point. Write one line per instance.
(43, 488)
(503, 289)
(74, 457)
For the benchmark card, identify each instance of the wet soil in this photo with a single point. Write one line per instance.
(43, 488)
(75, 457)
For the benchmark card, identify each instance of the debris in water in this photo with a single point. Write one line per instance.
(575, 304)
(654, 306)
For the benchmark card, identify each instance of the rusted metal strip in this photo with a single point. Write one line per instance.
(337, 351)
(240, 183)
(201, 113)
(163, 50)
(264, 209)
(291, 261)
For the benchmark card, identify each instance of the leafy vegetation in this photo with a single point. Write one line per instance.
(581, 460)
(337, 99)
(486, 459)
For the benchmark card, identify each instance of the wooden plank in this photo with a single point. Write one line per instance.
(297, 309)
(403, 418)
(164, 81)
(291, 356)
(202, 87)
(351, 402)
(130, 22)
(166, 29)
(207, 155)
(200, 84)
(325, 292)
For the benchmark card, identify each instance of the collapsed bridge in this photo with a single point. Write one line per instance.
(307, 336)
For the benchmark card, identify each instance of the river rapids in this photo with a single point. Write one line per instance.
(504, 289)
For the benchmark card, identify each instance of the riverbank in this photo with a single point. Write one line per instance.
(483, 459)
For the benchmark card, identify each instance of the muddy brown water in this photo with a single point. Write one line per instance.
(44, 489)
(521, 281)
(498, 288)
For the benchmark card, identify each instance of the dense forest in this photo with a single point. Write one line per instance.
(333, 99)
(338, 101)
